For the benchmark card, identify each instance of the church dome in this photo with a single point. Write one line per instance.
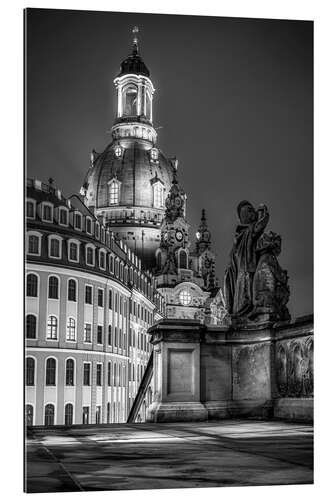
(134, 64)
(136, 172)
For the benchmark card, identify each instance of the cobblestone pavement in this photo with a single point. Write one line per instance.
(181, 455)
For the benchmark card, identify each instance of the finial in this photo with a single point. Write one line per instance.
(51, 181)
(203, 215)
(135, 30)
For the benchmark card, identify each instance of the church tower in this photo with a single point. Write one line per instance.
(187, 279)
(126, 184)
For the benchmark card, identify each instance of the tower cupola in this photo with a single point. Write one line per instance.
(135, 98)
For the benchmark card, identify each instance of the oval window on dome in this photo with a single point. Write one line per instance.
(185, 297)
(118, 151)
(154, 154)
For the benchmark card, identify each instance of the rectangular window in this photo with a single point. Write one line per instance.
(73, 252)
(100, 298)
(110, 335)
(54, 248)
(110, 299)
(116, 302)
(90, 256)
(88, 295)
(109, 373)
(77, 221)
(111, 264)
(86, 373)
(102, 260)
(87, 332)
(98, 374)
(85, 415)
(63, 217)
(33, 244)
(98, 415)
(47, 213)
(30, 210)
(99, 334)
(88, 226)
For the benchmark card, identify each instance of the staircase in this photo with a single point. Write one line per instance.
(144, 384)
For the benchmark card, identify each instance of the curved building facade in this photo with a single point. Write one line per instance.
(88, 306)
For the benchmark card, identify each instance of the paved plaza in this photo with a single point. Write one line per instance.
(180, 455)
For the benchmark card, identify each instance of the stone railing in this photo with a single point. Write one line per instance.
(205, 372)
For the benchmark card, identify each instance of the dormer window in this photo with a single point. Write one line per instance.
(97, 230)
(47, 212)
(88, 225)
(63, 216)
(158, 195)
(154, 154)
(114, 190)
(118, 151)
(78, 221)
(30, 209)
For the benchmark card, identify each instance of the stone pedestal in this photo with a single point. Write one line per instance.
(177, 372)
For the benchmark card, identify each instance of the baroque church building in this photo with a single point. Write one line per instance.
(133, 188)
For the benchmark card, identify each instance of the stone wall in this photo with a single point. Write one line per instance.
(261, 372)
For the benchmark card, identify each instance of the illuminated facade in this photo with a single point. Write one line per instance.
(88, 307)
(128, 182)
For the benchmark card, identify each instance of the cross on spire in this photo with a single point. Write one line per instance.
(135, 30)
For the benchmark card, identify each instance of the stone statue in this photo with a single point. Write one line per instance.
(270, 282)
(238, 286)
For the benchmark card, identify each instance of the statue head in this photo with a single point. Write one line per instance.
(246, 212)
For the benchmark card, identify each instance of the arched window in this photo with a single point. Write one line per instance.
(130, 101)
(73, 251)
(54, 248)
(114, 192)
(49, 415)
(182, 256)
(32, 285)
(108, 413)
(88, 225)
(30, 371)
(50, 378)
(158, 195)
(148, 106)
(109, 335)
(114, 374)
(29, 415)
(53, 287)
(52, 328)
(69, 414)
(70, 329)
(109, 373)
(90, 256)
(33, 244)
(70, 372)
(72, 290)
(30, 326)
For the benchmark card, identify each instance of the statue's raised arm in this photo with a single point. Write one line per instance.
(262, 220)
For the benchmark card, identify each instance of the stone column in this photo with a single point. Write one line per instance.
(176, 372)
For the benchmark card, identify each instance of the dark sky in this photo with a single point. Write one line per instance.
(234, 98)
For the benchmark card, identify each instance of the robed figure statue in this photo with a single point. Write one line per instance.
(238, 285)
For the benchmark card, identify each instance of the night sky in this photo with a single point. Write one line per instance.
(234, 100)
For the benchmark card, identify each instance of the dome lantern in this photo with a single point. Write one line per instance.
(135, 98)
